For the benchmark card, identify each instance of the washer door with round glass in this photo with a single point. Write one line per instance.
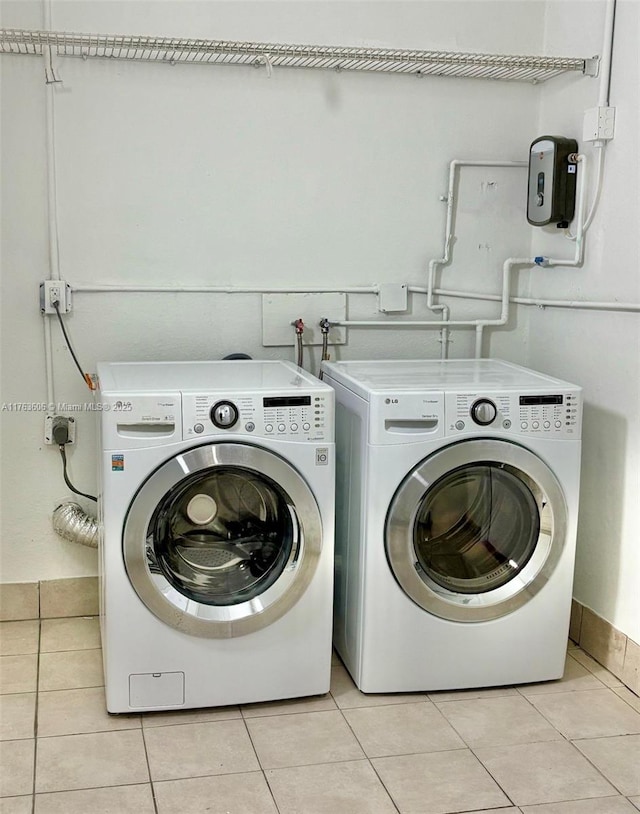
(222, 540)
(475, 530)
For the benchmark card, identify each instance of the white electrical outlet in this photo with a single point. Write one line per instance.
(55, 291)
(279, 312)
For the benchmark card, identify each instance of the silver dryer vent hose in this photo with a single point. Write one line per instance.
(73, 523)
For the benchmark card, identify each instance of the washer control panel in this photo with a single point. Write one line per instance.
(295, 417)
(553, 415)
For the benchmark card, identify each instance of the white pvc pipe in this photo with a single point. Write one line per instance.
(52, 217)
(448, 235)
(541, 261)
(607, 51)
(507, 268)
(403, 323)
(579, 238)
(587, 305)
(48, 359)
(54, 255)
(219, 289)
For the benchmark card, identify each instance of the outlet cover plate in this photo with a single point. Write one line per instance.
(48, 430)
(279, 312)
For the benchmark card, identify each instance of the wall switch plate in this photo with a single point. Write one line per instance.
(280, 311)
(392, 297)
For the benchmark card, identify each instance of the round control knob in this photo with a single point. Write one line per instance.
(224, 414)
(557, 424)
(306, 426)
(546, 425)
(523, 425)
(281, 428)
(535, 424)
(294, 428)
(198, 428)
(268, 427)
(459, 425)
(483, 412)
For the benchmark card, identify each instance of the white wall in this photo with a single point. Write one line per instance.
(601, 351)
(218, 175)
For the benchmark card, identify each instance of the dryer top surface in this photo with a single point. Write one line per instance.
(246, 375)
(449, 375)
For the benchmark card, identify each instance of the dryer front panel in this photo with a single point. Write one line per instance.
(222, 540)
(475, 530)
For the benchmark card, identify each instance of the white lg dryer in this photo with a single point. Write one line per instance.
(217, 515)
(457, 501)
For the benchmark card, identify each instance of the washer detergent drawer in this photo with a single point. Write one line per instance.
(156, 689)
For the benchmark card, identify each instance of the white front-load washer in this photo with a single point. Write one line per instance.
(217, 511)
(456, 506)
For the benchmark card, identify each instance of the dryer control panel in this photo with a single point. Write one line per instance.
(555, 414)
(294, 417)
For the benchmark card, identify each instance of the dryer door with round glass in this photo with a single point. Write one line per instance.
(475, 530)
(222, 540)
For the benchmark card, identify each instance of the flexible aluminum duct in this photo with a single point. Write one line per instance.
(72, 523)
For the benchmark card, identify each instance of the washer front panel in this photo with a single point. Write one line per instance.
(475, 530)
(222, 540)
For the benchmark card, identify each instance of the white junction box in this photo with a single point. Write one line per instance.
(599, 124)
(280, 311)
(392, 297)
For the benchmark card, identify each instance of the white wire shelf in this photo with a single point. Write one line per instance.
(164, 49)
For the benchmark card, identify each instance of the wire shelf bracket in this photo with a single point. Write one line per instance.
(171, 50)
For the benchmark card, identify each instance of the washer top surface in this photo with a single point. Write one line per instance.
(418, 375)
(244, 375)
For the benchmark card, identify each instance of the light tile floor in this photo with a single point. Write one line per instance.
(565, 747)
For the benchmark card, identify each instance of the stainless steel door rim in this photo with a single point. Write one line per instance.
(515, 583)
(200, 618)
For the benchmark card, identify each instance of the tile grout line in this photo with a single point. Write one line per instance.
(551, 724)
(146, 757)
(495, 779)
(35, 713)
(591, 763)
(368, 759)
(255, 752)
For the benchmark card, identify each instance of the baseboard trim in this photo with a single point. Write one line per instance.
(57, 598)
(49, 599)
(619, 654)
